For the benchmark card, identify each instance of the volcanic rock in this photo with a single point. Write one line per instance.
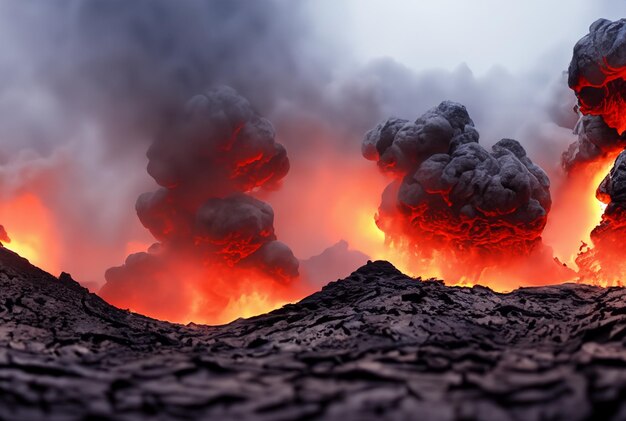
(377, 344)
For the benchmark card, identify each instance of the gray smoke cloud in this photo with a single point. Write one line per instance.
(596, 75)
(215, 151)
(454, 196)
(90, 84)
(87, 85)
(595, 141)
(597, 70)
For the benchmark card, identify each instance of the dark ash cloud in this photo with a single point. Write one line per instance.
(597, 71)
(215, 151)
(452, 195)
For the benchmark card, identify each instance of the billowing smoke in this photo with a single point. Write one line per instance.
(596, 141)
(596, 75)
(87, 87)
(597, 72)
(336, 262)
(452, 200)
(206, 160)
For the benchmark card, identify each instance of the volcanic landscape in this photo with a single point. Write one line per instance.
(376, 344)
(269, 271)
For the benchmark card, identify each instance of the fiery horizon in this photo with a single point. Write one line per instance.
(257, 192)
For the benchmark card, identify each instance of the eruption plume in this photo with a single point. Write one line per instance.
(597, 72)
(596, 141)
(215, 241)
(452, 201)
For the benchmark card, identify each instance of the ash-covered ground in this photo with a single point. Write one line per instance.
(377, 344)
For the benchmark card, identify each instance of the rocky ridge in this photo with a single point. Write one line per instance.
(377, 344)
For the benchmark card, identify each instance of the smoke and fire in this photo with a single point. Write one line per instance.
(597, 72)
(455, 209)
(468, 213)
(32, 231)
(217, 255)
(596, 75)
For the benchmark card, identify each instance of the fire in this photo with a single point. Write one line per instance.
(576, 210)
(251, 304)
(601, 261)
(31, 227)
(604, 99)
(182, 292)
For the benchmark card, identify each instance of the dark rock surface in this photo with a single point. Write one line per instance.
(377, 345)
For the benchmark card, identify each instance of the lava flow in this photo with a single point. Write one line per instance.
(601, 262)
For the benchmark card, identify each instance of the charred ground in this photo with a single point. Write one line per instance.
(376, 343)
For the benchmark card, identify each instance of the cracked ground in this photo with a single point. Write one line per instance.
(377, 344)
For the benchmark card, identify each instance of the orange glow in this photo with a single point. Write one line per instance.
(333, 208)
(606, 99)
(31, 227)
(181, 292)
(601, 261)
(576, 211)
(133, 247)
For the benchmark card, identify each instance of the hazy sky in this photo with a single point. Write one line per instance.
(481, 33)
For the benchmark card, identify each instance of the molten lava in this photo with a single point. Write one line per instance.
(176, 288)
(602, 261)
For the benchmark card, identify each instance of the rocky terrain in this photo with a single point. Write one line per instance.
(377, 344)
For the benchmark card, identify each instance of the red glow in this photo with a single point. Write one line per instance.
(576, 210)
(30, 226)
(176, 289)
(601, 260)
(605, 99)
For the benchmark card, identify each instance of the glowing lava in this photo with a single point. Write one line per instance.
(32, 231)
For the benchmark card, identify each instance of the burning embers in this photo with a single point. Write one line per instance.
(453, 203)
(217, 256)
(597, 72)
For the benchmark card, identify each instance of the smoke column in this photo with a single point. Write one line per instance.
(87, 86)
(454, 205)
(216, 243)
(596, 74)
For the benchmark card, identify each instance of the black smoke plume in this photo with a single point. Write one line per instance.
(453, 197)
(208, 158)
(596, 75)
(597, 71)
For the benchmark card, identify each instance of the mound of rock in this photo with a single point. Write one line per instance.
(376, 344)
